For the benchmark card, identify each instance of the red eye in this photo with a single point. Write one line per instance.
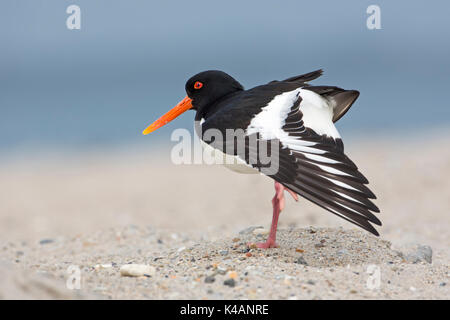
(198, 85)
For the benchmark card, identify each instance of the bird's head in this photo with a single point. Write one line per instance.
(202, 90)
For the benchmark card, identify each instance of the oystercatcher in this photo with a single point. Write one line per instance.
(298, 119)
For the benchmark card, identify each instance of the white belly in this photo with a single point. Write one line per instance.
(233, 163)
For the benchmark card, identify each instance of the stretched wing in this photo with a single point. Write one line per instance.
(310, 155)
(309, 152)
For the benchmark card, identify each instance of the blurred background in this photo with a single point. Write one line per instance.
(85, 95)
(101, 85)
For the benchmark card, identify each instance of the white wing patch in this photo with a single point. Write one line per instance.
(270, 120)
(318, 113)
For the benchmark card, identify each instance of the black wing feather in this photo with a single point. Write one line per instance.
(344, 193)
(305, 177)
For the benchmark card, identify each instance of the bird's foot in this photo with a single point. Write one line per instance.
(263, 245)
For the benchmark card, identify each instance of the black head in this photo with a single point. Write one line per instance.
(202, 90)
(208, 86)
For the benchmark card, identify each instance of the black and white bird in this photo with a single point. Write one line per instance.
(299, 120)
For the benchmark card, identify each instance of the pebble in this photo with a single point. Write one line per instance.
(46, 241)
(210, 279)
(221, 270)
(223, 252)
(302, 261)
(137, 270)
(102, 266)
(230, 282)
(250, 229)
(422, 253)
(260, 232)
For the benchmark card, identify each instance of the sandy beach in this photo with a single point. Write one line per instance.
(191, 225)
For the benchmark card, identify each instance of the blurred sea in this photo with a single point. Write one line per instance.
(101, 85)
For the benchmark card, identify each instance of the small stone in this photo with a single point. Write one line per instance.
(260, 232)
(252, 246)
(137, 270)
(301, 260)
(311, 282)
(342, 252)
(319, 245)
(230, 282)
(248, 254)
(250, 229)
(235, 239)
(223, 252)
(221, 270)
(210, 279)
(232, 274)
(46, 241)
(442, 284)
(102, 266)
(422, 253)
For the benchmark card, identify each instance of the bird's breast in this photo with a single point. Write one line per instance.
(212, 155)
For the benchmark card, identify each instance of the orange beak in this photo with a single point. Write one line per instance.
(183, 106)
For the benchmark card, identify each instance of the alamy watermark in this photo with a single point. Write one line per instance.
(224, 147)
(374, 280)
(73, 22)
(373, 21)
(74, 278)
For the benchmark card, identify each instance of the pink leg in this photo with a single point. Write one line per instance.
(278, 205)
